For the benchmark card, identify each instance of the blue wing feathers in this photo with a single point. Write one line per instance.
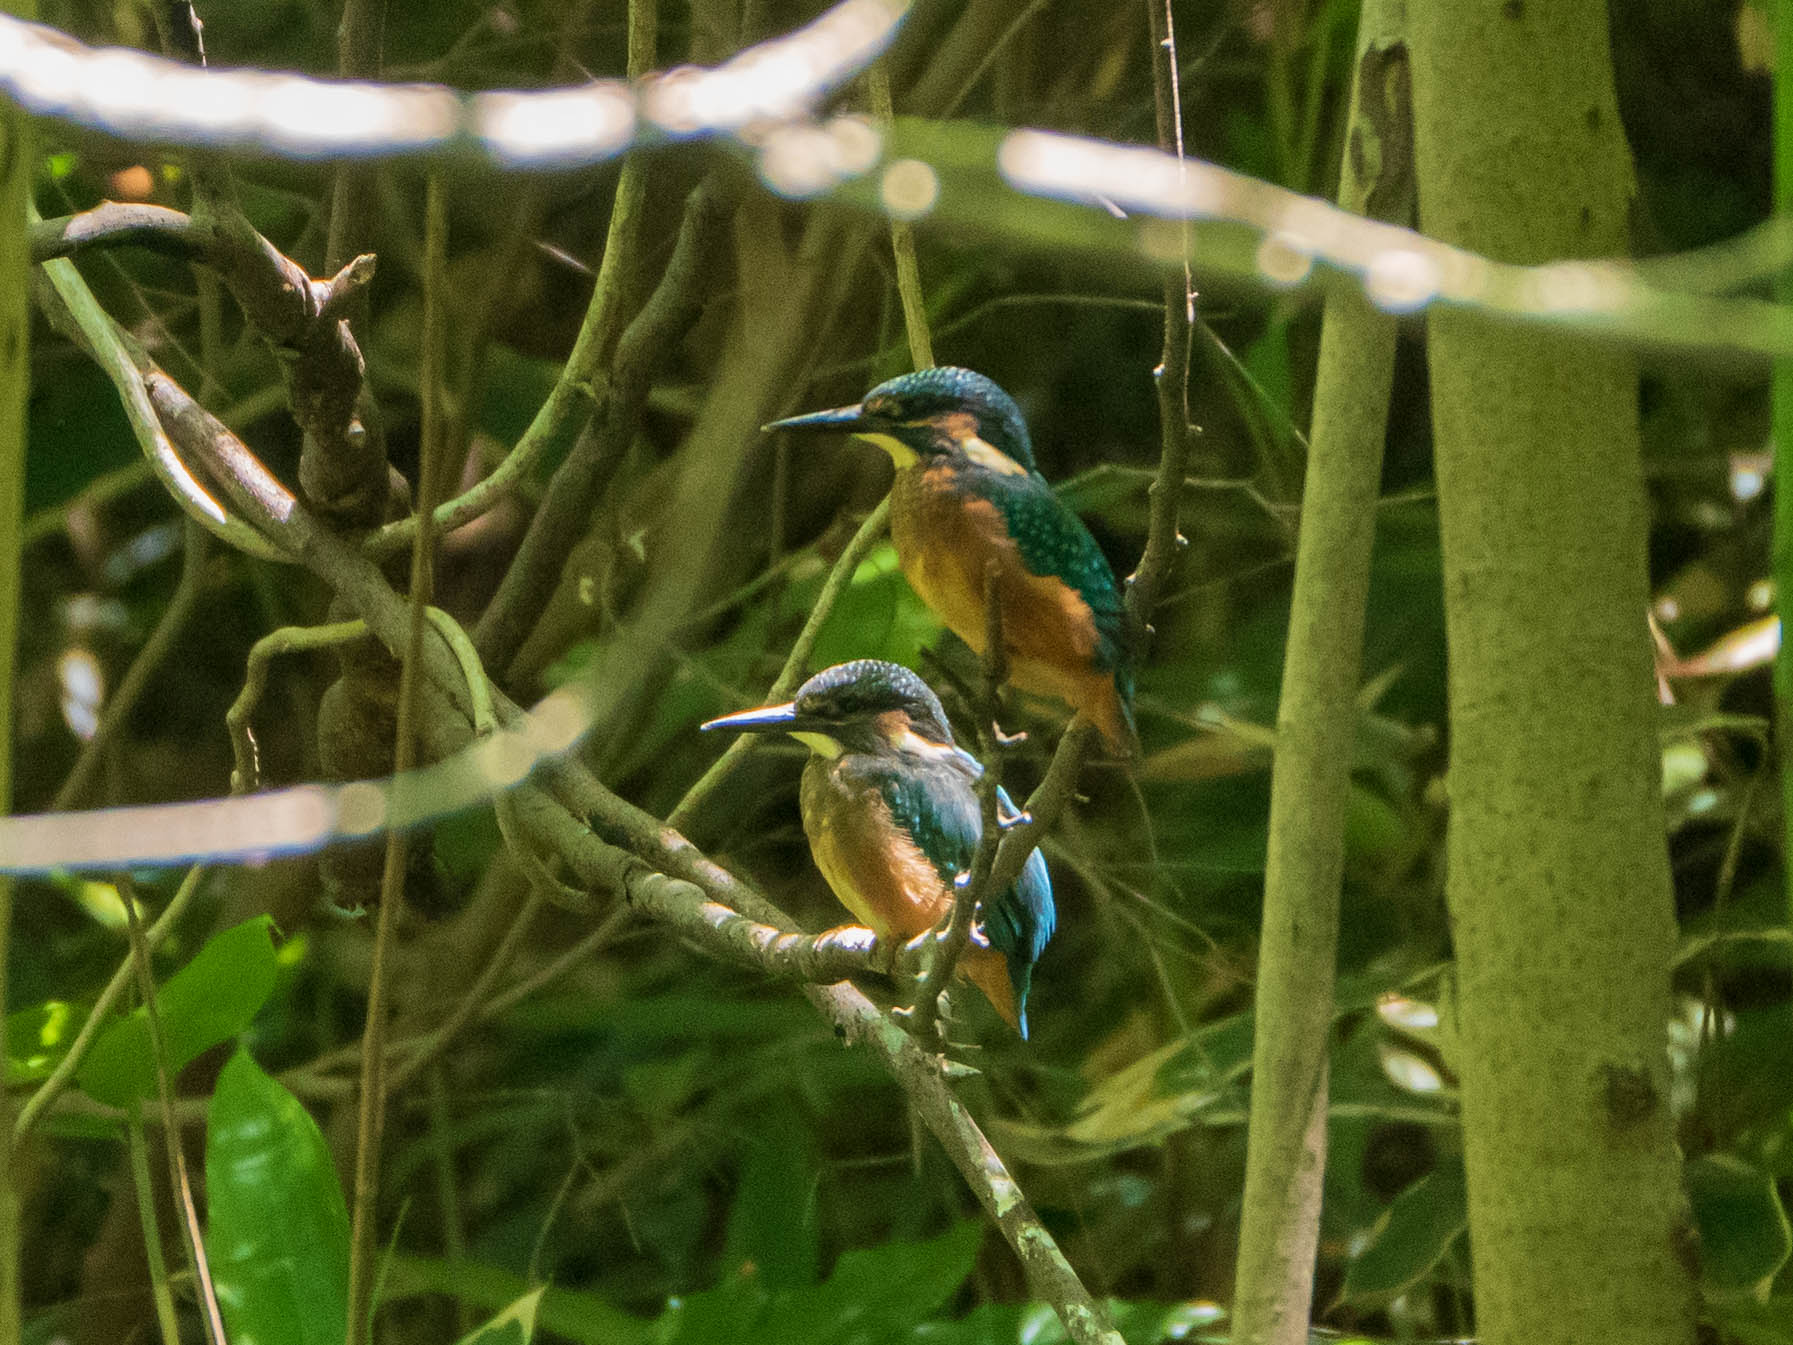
(1052, 540)
(938, 807)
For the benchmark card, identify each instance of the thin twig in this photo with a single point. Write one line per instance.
(448, 1194)
(430, 1049)
(17, 165)
(171, 1135)
(138, 1148)
(372, 1108)
(1163, 539)
(573, 491)
(302, 1078)
(72, 309)
(354, 195)
(245, 775)
(902, 240)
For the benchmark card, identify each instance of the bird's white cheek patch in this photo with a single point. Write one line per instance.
(988, 455)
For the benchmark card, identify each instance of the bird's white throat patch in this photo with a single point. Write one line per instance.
(900, 453)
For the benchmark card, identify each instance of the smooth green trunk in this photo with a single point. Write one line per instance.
(1558, 869)
(1315, 728)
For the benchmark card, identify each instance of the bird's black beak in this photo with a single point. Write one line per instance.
(841, 420)
(763, 719)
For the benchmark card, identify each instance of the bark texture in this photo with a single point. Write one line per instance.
(1558, 867)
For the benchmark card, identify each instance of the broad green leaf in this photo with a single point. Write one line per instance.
(278, 1231)
(514, 1326)
(883, 1289)
(875, 1294)
(1412, 1236)
(1744, 1235)
(37, 1038)
(211, 999)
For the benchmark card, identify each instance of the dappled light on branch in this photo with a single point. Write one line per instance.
(138, 96)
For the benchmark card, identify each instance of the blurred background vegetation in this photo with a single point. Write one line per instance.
(663, 1138)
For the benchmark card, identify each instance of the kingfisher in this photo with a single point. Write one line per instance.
(890, 806)
(968, 493)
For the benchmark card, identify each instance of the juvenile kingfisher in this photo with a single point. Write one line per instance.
(890, 807)
(967, 492)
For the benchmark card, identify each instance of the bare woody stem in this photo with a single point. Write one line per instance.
(372, 1100)
(178, 1182)
(619, 397)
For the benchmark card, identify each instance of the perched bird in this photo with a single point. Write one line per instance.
(967, 493)
(891, 811)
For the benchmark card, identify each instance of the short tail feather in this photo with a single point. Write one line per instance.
(990, 972)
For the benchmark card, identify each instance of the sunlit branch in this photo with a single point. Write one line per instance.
(138, 96)
(71, 308)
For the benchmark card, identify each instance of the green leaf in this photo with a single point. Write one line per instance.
(37, 1038)
(875, 1294)
(211, 999)
(514, 1326)
(1744, 1235)
(278, 1231)
(883, 1289)
(1412, 1236)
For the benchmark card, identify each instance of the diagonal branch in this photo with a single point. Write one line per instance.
(565, 511)
(301, 319)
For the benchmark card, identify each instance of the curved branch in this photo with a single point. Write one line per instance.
(566, 508)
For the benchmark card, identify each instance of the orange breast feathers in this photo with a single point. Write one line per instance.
(945, 541)
(881, 876)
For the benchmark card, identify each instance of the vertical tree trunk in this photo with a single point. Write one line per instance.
(1558, 874)
(1316, 725)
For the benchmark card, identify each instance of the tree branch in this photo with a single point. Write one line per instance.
(566, 508)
